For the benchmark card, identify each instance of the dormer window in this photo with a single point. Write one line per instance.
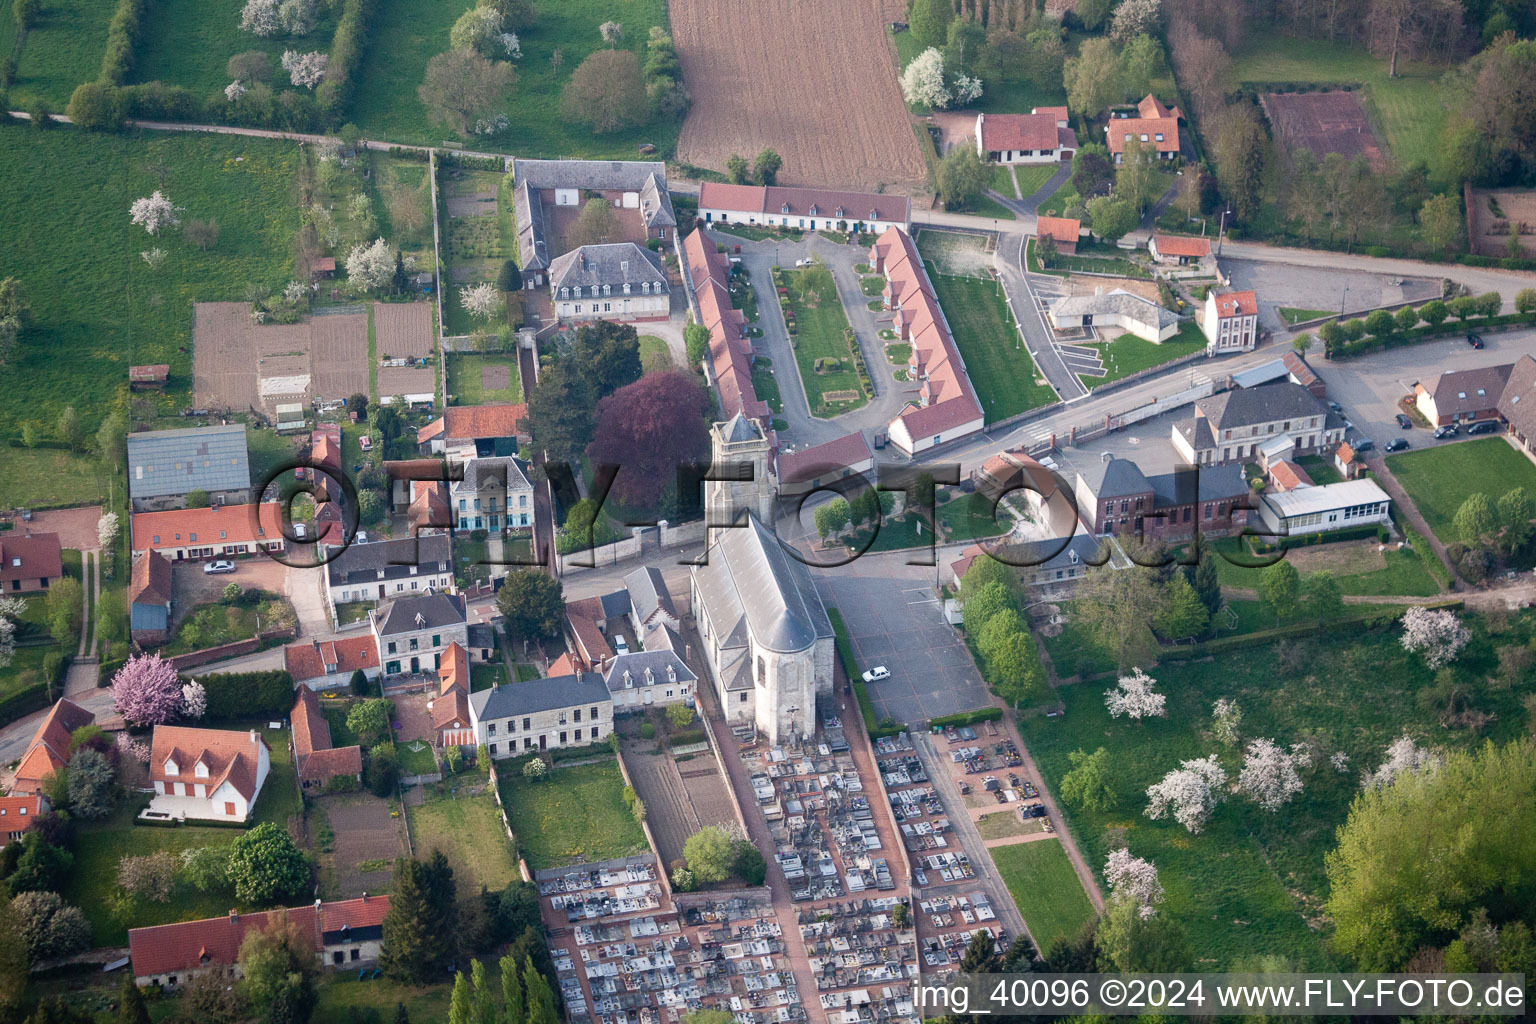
(671, 674)
(201, 770)
(629, 680)
(650, 677)
(784, 208)
(171, 768)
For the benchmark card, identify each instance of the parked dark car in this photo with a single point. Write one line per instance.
(1449, 430)
(1362, 444)
(1404, 422)
(1336, 407)
(1483, 427)
(1475, 340)
(1397, 444)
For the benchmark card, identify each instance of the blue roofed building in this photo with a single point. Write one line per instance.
(164, 466)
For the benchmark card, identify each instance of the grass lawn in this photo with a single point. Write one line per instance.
(214, 624)
(1440, 479)
(354, 611)
(1129, 354)
(1032, 177)
(1059, 200)
(896, 534)
(466, 376)
(1047, 891)
(416, 757)
(47, 476)
(575, 811)
(340, 992)
(1319, 469)
(655, 354)
(61, 51)
(97, 307)
(485, 675)
(766, 383)
(1408, 109)
(1003, 824)
(1002, 181)
(1001, 371)
(1098, 265)
(971, 517)
(99, 846)
(1292, 315)
(468, 829)
(821, 323)
(188, 43)
(407, 36)
(1354, 565)
(1249, 883)
(405, 201)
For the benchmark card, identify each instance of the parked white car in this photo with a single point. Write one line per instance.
(876, 674)
(221, 566)
(804, 261)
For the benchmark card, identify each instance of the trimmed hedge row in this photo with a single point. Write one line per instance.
(23, 702)
(334, 97)
(122, 40)
(967, 718)
(1345, 350)
(247, 694)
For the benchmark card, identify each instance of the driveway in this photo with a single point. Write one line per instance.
(193, 587)
(76, 527)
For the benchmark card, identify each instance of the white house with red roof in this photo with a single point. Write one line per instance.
(1155, 127)
(17, 813)
(944, 404)
(223, 531)
(1231, 322)
(329, 664)
(207, 774)
(811, 209)
(1039, 137)
(729, 366)
(1178, 250)
(342, 933)
(49, 749)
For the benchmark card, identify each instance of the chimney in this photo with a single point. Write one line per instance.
(234, 915)
(365, 895)
(253, 736)
(317, 903)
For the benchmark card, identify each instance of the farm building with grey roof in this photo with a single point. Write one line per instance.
(164, 466)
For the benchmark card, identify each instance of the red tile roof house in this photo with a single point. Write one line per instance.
(1039, 137)
(17, 813)
(344, 933)
(29, 563)
(225, 531)
(946, 406)
(450, 709)
(150, 594)
(317, 761)
(207, 774)
(1062, 231)
(49, 749)
(729, 365)
(489, 429)
(1231, 322)
(329, 665)
(1178, 250)
(811, 209)
(1156, 126)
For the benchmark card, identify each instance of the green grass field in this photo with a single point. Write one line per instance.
(1001, 371)
(465, 379)
(1353, 564)
(1440, 479)
(407, 36)
(819, 315)
(99, 846)
(1129, 354)
(468, 830)
(188, 43)
(1047, 891)
(97, 307)
(972, 518)
(1032, 177)
(766, 383)
(1249, 883)
(655, 354)
(1408, 110)
(1293, 315)
(63, 50)
(576, 811)
(49, 476)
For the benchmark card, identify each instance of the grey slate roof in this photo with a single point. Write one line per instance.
(530, 228)
(648, 593)
(436, 610)
(1117, 301)
(615, 604)
(636, 662)
(1115, 478)
(615, 264)
(1244, 407)
(1204, 483)
(360, 563)
(169, 462)
(752, 579)
(1044, 554)
(1518, 403)
(535, 695)
(481, 635)
(647, 177)
(498, 471)
(740, 428)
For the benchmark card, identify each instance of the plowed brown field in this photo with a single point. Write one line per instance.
(813, 79)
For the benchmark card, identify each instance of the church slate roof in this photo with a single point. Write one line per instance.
(752, 577)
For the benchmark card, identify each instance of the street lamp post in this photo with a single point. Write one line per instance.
(1341, 304)
(1221, 235)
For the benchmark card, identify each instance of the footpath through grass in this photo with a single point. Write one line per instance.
(1001, 371)
(1046, 890)
(1440, 479)
(575, 811)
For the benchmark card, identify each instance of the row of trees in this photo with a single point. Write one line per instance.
(1126, 611)
(994, 622)
(1489, 529)
(1380, 323)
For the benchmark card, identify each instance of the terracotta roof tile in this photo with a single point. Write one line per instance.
(211, 527)
(150, 580)
(309, 660)
(49, 750)
(229, 756)
(1182, 245)
(192, 945)
(1230, 304)
(1059, 229)
(1004, 132)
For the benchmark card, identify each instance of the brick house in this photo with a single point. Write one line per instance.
(317, 761)
(450, 708)
(1463, 396)
(49, 749)
(17, 813)
(30, 563)
(343, 933)
(207, 774)
(1116, 497)
(1231, 322)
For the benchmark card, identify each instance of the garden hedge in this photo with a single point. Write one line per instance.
(334, 95)
(247, 694)
(122, 40)
(23, 702)
(1345, 350)
(967, 718)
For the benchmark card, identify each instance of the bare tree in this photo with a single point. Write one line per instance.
(461, 85)
(607, 92)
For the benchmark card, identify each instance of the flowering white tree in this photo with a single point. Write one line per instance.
(1191, 792)
(129, 747)
(1134, 878)
(482, 301)
(1268, 776)
(260, 18)
(492, 125)
(1135, 698)
(1402, 756)
(194, 700)
(510, 44)
(371, 266)
(106, 539)
(305, 70)
(922, 83)
(10, 610)
(298, 17)
(1340, 761)
(611, 31)
(154, 212)
(1134, 18)
(1434, 633)
(967, 90)
(478, 29)
(154, 257)
(234, 90)
(1226, 716)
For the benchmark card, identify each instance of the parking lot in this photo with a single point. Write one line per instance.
(1328, 288)
(894, 619)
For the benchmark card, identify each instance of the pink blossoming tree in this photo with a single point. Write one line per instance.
(146, 691)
